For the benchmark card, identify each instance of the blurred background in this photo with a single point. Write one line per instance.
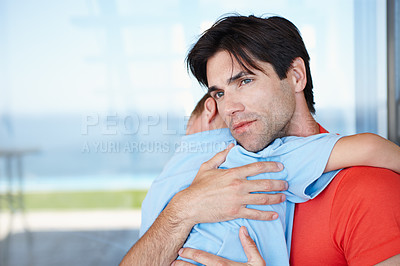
(94, 96)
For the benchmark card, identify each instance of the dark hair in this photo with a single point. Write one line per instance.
(249, 39)
(200, 106)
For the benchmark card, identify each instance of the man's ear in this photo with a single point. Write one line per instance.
(298, 74)
(210, 107)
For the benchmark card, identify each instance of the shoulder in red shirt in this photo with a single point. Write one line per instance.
(354, 221)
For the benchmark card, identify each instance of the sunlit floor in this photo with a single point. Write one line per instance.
(67, 238)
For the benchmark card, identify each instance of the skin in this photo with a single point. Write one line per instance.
(222, 194)
(364, 149)
(209, 119)
(259, 107)
(249, 102)
(249, 247)
(256, 106)
(218, 194)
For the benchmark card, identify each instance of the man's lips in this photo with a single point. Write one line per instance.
(239, 127)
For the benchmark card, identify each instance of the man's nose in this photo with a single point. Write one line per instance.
(233, 104)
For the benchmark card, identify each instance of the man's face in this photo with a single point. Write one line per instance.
(257, 106)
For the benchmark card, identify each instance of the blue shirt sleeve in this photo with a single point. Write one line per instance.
(180, 171)
(304, 161)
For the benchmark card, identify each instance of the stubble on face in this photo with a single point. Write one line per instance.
(273, 123)
(258, 111)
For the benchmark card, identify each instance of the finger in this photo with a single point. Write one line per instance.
(258, 168)
(218, 159)
(265, 185)
(263, 199)
(201, 256)
(254, 214)
(249, 247)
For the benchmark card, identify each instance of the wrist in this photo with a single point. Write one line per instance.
(181, 211)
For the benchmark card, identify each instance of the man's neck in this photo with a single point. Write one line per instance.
(302, 125)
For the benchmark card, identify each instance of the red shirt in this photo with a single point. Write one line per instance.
(354, 221)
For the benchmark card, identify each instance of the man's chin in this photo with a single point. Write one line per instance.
(251, 145)
(253, 149)
(251, 141)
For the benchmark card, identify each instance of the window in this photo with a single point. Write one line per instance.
(100, 89)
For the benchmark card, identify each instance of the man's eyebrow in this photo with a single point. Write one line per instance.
(212, 88)
(237, 76)
(230, 80)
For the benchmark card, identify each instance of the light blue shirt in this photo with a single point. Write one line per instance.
(181, 169)
(304, 161)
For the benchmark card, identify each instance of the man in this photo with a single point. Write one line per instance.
(196, 148)
(203, 118)
(258, 72)
(206, 135)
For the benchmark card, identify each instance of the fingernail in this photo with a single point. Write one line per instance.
(173, 263)
(283, 197)
(180, 251)
(280, 165)
(275, 216)
(286, 185)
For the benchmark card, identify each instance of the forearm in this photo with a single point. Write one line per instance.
(387, 155)
(215, 195)
(364, 149)
(160, 244)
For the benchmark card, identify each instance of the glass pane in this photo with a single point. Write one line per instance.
(94, 96)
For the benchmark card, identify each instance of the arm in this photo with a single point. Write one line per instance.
(392, 261)
(215, 195)
(364, 149)
(160, 244)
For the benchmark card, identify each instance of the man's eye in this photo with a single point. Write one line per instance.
(218, 94)
(246, 81)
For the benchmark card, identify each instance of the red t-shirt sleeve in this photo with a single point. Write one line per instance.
(365, 215)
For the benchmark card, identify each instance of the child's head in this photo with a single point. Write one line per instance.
(204, 116)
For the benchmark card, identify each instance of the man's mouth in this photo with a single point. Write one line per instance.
(240, 127)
